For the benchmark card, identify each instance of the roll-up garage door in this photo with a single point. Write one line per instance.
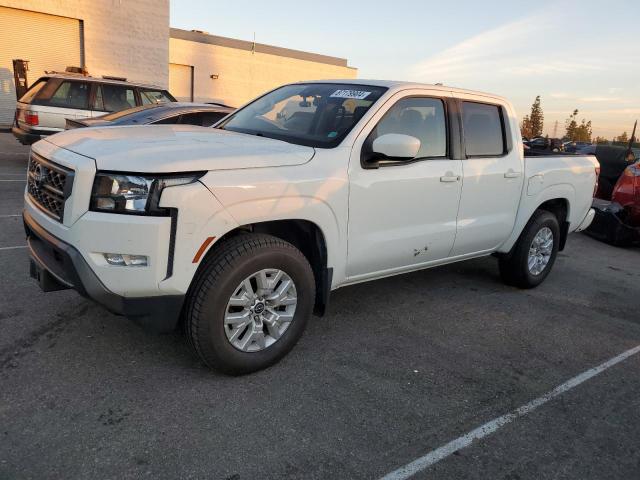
(48, 42)
(181, 82)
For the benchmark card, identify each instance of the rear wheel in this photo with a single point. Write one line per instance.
(534, 254)
(249, 303)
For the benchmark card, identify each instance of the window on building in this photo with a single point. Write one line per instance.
(483, 129)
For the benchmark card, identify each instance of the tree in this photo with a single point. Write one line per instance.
(578, 132)
(622, 138)
(536, 117)
(525, 127)
(600, 141)
(570, 125)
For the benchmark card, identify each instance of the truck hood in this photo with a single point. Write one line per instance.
(178, 148)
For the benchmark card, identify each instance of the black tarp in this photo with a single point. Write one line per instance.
(613, 162)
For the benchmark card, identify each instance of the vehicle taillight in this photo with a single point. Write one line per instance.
(31, 118)
(595, 188)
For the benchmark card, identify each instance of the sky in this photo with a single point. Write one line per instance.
(581, 55)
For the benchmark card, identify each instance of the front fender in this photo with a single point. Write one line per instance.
(311, 209)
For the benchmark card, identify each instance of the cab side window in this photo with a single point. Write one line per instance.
(419, 117)
(483, 129)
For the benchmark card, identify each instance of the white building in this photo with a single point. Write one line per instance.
(132, 39)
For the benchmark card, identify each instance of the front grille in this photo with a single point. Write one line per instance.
(49, 185)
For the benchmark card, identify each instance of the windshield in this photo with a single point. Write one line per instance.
(312, 114)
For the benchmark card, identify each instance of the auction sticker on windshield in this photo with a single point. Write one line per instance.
(357, 94)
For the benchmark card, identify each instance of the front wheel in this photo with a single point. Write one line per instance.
(250, 303)
(534, 254)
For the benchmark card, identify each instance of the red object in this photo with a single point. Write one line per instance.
(29, 117)
(626, 192)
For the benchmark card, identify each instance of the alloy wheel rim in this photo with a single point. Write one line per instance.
(540, 251)
(260, 310)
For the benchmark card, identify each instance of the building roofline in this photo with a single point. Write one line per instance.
(202, 37)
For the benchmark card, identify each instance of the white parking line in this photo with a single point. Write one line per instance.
(23, 180)
(12, 248)
(492, 426)
(10, 216)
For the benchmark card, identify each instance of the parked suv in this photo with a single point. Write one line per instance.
(44, 108)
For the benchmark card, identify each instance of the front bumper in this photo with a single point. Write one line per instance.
(57, 265)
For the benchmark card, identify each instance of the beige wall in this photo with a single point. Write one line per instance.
(127, 38)
(244, 75)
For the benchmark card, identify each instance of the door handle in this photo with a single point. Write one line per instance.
(450, 177)
(511, 174)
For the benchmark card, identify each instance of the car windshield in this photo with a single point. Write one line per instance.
(312, 114)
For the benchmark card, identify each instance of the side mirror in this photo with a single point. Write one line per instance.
(395, 146)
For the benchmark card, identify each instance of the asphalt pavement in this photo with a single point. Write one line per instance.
(397, 369)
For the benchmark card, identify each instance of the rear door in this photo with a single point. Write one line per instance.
(492, 176)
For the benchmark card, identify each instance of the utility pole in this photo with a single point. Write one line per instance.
(555, 129)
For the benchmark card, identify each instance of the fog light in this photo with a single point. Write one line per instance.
(122, 260)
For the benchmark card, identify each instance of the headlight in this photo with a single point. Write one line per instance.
(134, 193)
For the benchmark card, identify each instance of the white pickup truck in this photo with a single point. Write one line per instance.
(242, 230)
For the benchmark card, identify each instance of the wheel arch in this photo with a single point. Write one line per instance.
(556, 199)
(307, 237)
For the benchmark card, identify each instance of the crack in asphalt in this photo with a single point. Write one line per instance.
(23, 346)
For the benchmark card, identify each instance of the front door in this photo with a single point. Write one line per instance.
(403, 213)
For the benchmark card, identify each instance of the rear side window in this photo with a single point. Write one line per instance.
(65, 94)
(483, 129)
(172, 120)
(33, 91)
(203, 119)
(210, 118)
(113, 98)
(153, 96)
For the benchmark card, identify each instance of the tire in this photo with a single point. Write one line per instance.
(514, 267)
(223, 275)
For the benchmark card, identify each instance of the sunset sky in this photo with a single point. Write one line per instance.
(583, 55)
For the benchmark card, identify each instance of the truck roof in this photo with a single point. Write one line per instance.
(402, 85)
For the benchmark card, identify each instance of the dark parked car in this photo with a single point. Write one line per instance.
(202, 114)
(573, 147)
(544, 143)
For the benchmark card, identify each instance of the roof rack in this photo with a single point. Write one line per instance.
(110, 77)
